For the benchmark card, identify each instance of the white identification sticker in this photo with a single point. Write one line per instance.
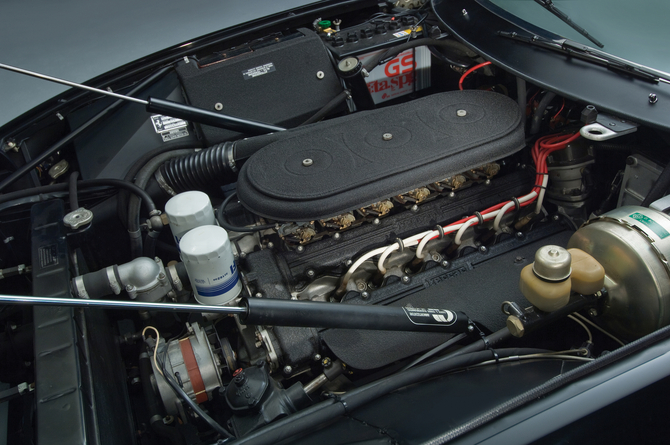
(174, 134)
(259, 71)
(167, 123)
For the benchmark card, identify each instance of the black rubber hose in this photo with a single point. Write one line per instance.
(314, 416)
(206, 170)
(149, 249)
(81, 129)
(74, 198)
(217, 165)
(660, 187)
(450, 60)
(133, 229)
(170, 434)
(320, 413)
(96, 284)
(521, 94)
(552, 385)
(539, 113)
(223, 222)
(457, 47)
(122, 204)
(117, 183)
(328, 108)
(142, 178)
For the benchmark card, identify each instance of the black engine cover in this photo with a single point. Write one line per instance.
(357, 160)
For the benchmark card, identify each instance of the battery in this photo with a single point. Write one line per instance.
(408, 72)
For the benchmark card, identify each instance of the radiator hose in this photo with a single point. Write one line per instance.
(212, 167)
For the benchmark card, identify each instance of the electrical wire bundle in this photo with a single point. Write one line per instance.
(542, 148)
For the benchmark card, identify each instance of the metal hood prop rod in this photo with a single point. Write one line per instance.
(167, 107)
(273, 312)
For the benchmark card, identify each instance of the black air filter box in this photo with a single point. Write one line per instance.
(282, 82)
(353, 161)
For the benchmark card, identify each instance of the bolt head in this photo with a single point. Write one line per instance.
(348, 263)
(258, 295)
(414, 208)
(271, 245)
(483, 249)
(337, 236)
(519, 235)
(405, 279)
(555, 217)
(317, 357)
(129, 287)
(365, 295)
(487, 182)
(375, 221)
(387, 136)
(464, 12)
(445, 264)
(653, 98)
(471, 328)
(436, 257)
(218, 106)
(320, 75)
(452, 194)
(300, 249)
(593, 312)
(288, 369)
(515, 326)
(311, 273)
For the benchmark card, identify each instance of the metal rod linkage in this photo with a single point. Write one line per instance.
(72, 84)
(116, 304)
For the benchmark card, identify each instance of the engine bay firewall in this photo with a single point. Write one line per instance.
(348, 163)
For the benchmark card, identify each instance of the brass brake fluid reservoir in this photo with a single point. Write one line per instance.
(546, 283)
(632, 244)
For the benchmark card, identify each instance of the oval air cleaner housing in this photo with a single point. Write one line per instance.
(342, 164)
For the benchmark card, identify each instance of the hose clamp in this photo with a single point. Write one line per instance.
(112, 279)
(401, 245)
(80, 288)
(163, 183)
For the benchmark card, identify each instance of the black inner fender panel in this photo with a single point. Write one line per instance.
(355, 160)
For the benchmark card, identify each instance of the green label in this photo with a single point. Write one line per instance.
(653, 225)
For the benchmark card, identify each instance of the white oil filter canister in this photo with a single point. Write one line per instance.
(187, 211)
(208, 257)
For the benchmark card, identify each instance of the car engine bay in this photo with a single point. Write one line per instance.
(379, 206)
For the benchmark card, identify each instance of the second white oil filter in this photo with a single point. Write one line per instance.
(208, 256)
